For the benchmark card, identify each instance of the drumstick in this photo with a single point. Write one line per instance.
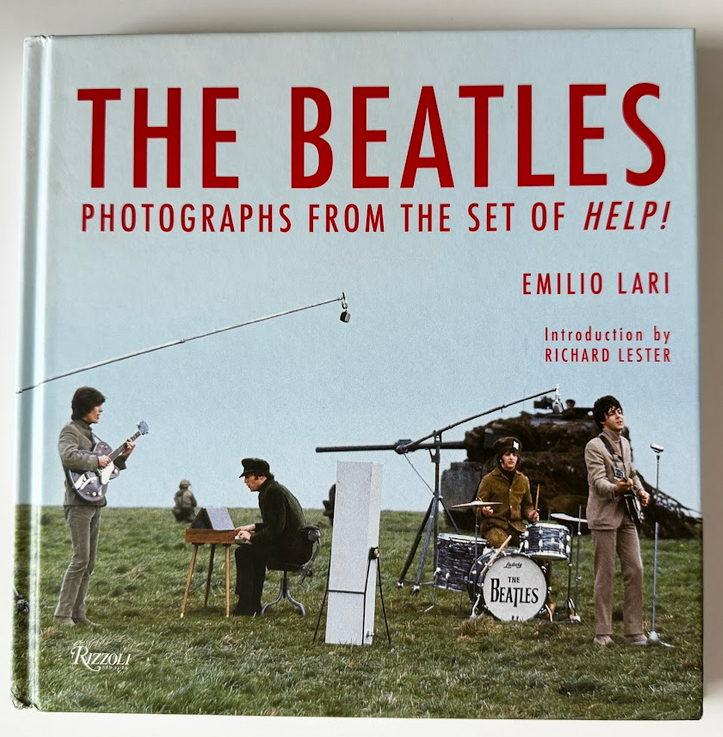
(496, 555)
(537, 498)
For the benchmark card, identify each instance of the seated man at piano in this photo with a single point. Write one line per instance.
(510, 491)
(277, 537)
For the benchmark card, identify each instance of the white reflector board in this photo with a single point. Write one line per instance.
(352, 577)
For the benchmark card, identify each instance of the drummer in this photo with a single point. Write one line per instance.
(510, 489)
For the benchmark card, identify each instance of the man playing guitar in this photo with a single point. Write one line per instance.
(611, 476)
(75, 446)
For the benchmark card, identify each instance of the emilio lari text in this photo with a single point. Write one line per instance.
(581, 283)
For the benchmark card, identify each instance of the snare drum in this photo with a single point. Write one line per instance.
(546, 541)
(513, 588)
(455, 556)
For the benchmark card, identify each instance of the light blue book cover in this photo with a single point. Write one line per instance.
(498, 217)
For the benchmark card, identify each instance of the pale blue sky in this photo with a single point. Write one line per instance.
(439, 330)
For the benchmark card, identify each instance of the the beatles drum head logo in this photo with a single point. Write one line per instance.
(514, 588)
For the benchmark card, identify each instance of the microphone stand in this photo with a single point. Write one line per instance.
(653, 636)
(572, 616)
(430, 523)
(576, 617)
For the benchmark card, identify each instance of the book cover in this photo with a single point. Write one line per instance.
(505, 223)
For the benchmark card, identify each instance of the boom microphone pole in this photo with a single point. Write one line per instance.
(344, 317)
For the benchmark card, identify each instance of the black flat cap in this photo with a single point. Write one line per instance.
(255, 467)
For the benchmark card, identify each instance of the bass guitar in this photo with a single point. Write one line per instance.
(91, 486)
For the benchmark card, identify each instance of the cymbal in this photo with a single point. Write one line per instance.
(472, 505)
(567, 517)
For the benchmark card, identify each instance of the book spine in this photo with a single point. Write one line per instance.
(33, 260)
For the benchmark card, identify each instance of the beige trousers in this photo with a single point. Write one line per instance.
(608, 545)
(84, 525)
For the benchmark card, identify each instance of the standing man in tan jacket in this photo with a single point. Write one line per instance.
(611, 476)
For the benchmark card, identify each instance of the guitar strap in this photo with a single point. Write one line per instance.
(611, 450)
(632, 495)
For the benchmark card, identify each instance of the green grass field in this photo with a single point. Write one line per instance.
(440, 663)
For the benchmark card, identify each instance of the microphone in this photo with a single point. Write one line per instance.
(402, 445)
(657, 448)
(345, 314)
(557, 401)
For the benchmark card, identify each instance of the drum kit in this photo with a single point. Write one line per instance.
(511, 585)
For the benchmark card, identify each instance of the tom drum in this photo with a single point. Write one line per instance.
(455, 556)
(546, 541)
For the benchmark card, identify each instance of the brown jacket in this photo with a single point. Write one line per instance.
(605, 508)
(515, 497)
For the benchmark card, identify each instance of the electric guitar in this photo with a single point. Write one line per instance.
(92, 485)
(632, 503)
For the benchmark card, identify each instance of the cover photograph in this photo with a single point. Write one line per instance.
(359, 376)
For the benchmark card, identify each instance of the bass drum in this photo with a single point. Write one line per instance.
(512, 588)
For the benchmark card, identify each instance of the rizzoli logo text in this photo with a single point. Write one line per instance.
(97, 661)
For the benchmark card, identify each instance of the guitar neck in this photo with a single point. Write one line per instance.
(118, 451)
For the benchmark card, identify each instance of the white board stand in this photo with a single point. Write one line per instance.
(352, 576)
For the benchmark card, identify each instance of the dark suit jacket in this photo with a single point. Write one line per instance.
(280, 532)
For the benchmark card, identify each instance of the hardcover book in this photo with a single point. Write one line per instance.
(430, 252)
